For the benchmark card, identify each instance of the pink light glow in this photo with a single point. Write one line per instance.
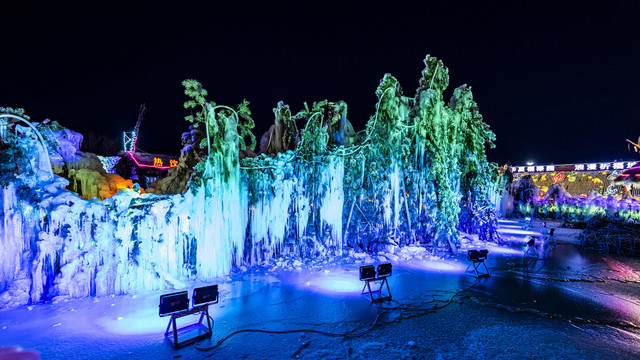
(148, 166)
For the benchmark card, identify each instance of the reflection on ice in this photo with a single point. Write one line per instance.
(437, 265)
(339, 282)
(139, 322)
(518, 232)
(508, 222)
(511, 227)
(497, 249)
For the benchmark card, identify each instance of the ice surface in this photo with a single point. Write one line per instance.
(505, 316)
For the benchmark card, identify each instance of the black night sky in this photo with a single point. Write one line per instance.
(557, 82)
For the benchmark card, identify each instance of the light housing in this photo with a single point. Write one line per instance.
(384, 270)
(367, 272)
(205, 295)
(173, 303)
(531, 242)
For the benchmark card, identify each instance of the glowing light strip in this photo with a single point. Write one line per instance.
(147, 166)
(618, 165)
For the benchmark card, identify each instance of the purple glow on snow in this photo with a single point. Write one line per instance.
(511, 227)
(138, 322)
(509, 222)
(336, 282)
(437, 265)
(519, 232)
(497, 249)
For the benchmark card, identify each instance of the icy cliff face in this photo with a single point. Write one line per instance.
(333, 200)
(67, 246)
(63, 245)
(12, 242)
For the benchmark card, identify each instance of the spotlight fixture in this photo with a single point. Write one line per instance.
(477, 258)
(173, 303)
(177, 305)
(367, 272)
(205, 295)
(552, 239)
(531, 247)
(531, 242)
(384, 270)
(369, 275)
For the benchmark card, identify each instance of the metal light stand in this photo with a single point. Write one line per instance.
(531, 248)
(199, 330)
(381, 295)
(476, 267)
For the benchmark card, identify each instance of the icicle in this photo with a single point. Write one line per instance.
(333, 201)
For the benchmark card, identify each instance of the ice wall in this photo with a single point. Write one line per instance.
(332, 203)
(67, 246)
(219, 220)
(12, 242)
(296, 204)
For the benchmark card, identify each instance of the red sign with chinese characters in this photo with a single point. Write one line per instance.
(559, 178)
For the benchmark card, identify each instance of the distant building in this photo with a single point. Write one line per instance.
(144, 168)
(578, 179)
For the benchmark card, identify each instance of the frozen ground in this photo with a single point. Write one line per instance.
(572, 304)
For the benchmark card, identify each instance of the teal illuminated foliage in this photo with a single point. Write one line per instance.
(214, 118)
(404, 178)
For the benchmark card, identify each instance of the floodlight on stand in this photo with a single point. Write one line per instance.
(552, 239)
(173, 303)
(367, 272)
(177, 305)
(477, 258)
(531, 247)
(384, 270)
(531, 242)
(205, 295)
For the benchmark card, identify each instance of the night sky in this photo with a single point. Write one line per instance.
(557, 82)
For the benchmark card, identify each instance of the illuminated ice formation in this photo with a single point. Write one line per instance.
(323, 193)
